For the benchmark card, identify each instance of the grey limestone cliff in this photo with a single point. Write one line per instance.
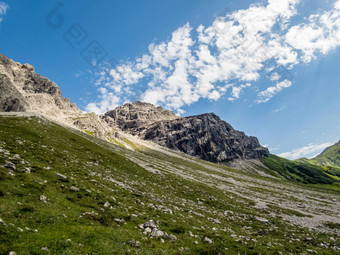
(205, 136)
(24, 90)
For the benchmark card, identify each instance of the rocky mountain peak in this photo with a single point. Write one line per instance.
(24, 90)
(135, 115)
(205, 136)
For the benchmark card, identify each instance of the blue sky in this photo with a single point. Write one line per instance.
(268, 67)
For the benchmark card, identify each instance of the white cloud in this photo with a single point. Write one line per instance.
(267, 94)
(274, 148)
(3, 10)
(236, 91)
(108, 101)
(205, 62)
(320, 34)
(309, 150)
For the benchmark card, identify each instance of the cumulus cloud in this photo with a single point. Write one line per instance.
(107, 101)
(309, 150)
(226, 57)
(3, 10)
(266, 95)
(320, 34)
(236, 91)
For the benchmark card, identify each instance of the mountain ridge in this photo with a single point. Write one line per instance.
(217, 140)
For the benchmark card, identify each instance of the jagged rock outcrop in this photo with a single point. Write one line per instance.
(24, 90)
(10, 98)
(205, 136)
(133, 116)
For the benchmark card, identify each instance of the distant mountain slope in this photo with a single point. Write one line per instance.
(296, 171)
(328, 160)
(329, 157)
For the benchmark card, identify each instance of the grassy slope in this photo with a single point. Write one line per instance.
(48, 149)
(328, 160)
(329, 157)
(297, 171)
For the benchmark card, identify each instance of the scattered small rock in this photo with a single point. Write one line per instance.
(61, 176)
(207, 240)
(150, 224)
(10, 165)
(156, 233)
(261, 219)
(43, 198)
(215, 221)
(148, 230)
(311, 251)
(119, 221)
(2, 222)
(11, 173)
(136, 244)
(172, 237)
(74, 188)
(88, 214)
(107, 204)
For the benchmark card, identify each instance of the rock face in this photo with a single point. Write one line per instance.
(205, 136)
(24, 90)
(133, 116)
(10, 97)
